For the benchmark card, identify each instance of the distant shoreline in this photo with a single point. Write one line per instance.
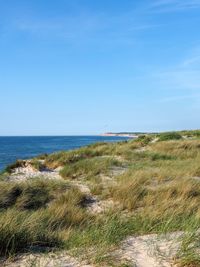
(120, 135)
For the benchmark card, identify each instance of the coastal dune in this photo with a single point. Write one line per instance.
(131, 203)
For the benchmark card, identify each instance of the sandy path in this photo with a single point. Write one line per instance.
(93, 204)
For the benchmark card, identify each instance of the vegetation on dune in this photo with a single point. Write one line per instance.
(26, 220)
(37, 164)
(158, 192)
(89, 167)
(170, 136)
(144, 139)
(189, 253)
(21, 230)
(63, 158)
(158, 197)
(29, 195)
(192, 134)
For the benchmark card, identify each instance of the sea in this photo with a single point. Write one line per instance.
(25, 147)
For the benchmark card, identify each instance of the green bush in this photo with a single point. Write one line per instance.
(169, 136)
(144, 139)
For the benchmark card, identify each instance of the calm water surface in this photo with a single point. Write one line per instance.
(13, 148)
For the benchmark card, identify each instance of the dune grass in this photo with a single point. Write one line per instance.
(30, 194)
(26, 220)
(88, 167)
(189, 252)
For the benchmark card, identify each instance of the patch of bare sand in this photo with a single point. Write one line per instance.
(150, 250)
(45, 260)
(28, 172)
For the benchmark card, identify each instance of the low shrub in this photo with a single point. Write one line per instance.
(169, 136)
(144, 139)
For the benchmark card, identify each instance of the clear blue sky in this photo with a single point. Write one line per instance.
(87, 67)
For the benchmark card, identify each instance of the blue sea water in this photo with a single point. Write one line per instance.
(13, 148)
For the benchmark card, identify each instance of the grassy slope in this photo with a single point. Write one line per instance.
(159, 192)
